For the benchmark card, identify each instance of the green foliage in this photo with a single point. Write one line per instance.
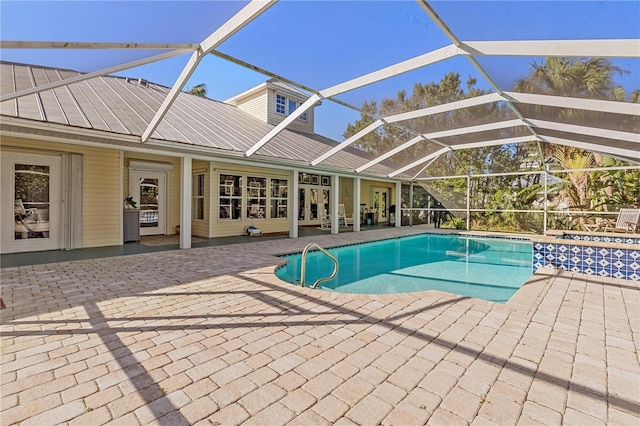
(613, 189)
(199, 90)
(578, 189)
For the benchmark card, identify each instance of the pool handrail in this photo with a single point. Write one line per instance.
(303, 265)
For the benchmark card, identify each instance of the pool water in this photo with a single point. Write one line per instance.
(484, 268)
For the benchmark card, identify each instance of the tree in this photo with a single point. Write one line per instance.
(199, 90)
(583, 78)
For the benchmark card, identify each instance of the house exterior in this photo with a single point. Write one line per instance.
(72, 155)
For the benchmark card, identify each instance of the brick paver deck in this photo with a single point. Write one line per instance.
(210, 337)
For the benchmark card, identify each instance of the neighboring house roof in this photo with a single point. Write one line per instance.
(124, 106)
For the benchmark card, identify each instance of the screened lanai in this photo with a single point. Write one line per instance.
(520, 116)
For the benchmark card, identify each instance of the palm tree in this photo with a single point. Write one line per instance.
(591, 78)
(199, 90)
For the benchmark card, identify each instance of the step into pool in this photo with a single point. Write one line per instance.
(484, 268)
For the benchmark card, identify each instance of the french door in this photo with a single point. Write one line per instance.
(314, 202)
(381, 204)
(32, 185)
(150, 194)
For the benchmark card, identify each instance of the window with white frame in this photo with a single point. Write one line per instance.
(197, 194)
(279, 193)
(230, 197)
(286, 106)
(256, 197)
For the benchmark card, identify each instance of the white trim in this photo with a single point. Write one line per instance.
(473, 129)
(229, 28)
(95, 45)
(420, 161)
(347, 142)
(614, 107)
(99, 73)
(284, 123)
(584, 130)
(451, 106)
(420, 61)
(392, 152)
(603, 48)
(146, 166)
(607, 150)
(186, 165)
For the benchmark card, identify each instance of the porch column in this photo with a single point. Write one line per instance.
(356, 204)
(411, 204)
(186, 167)
(397, 214)
(295, 205)
(334, 199)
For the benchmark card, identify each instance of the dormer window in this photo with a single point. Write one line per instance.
(286, 106)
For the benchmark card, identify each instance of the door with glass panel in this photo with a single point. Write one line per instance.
(381, 204)
(149, 192)
(32, 185)
(314, 202)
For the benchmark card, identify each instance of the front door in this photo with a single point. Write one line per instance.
(150, 196)
(381, 204)
(32, 185)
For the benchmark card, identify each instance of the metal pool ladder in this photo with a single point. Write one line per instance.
(303, 267)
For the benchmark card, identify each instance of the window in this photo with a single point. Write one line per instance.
(281, 105)
(197, 193)
(259, 197)
(279, 193)
(230, 197)
(286, 106)
(256, 197)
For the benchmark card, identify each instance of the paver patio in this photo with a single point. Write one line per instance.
(209, 336)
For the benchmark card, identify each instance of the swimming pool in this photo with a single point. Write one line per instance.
(484, 268)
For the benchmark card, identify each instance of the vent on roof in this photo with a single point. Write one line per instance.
(140, 82)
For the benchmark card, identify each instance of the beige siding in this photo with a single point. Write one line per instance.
(255, 105)
(102, 202)
(223, 227)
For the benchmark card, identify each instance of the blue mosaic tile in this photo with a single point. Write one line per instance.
(601, 261)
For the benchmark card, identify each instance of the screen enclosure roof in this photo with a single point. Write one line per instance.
(407, 84)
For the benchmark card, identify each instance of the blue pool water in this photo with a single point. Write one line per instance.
(484, 268)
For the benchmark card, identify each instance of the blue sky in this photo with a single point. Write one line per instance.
(315, 43)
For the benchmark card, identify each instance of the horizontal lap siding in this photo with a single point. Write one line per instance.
(101, 200)
(255, 105)
(102, 203)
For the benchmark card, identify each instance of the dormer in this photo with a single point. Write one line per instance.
(272, 101)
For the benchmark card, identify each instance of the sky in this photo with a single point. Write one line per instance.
(314, 43)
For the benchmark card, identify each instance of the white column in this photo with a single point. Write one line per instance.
(334, 199)
(398, 213)
(294, 205)
(356, 204)
(468, 203)
(545, 174)
(411, 204)
(186, 167)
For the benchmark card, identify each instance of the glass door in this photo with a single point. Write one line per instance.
(33, 189)
(150, 196)
(314, 202)
(380, 204)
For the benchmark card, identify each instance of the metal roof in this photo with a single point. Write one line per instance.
(124, 106)
(428, 36)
